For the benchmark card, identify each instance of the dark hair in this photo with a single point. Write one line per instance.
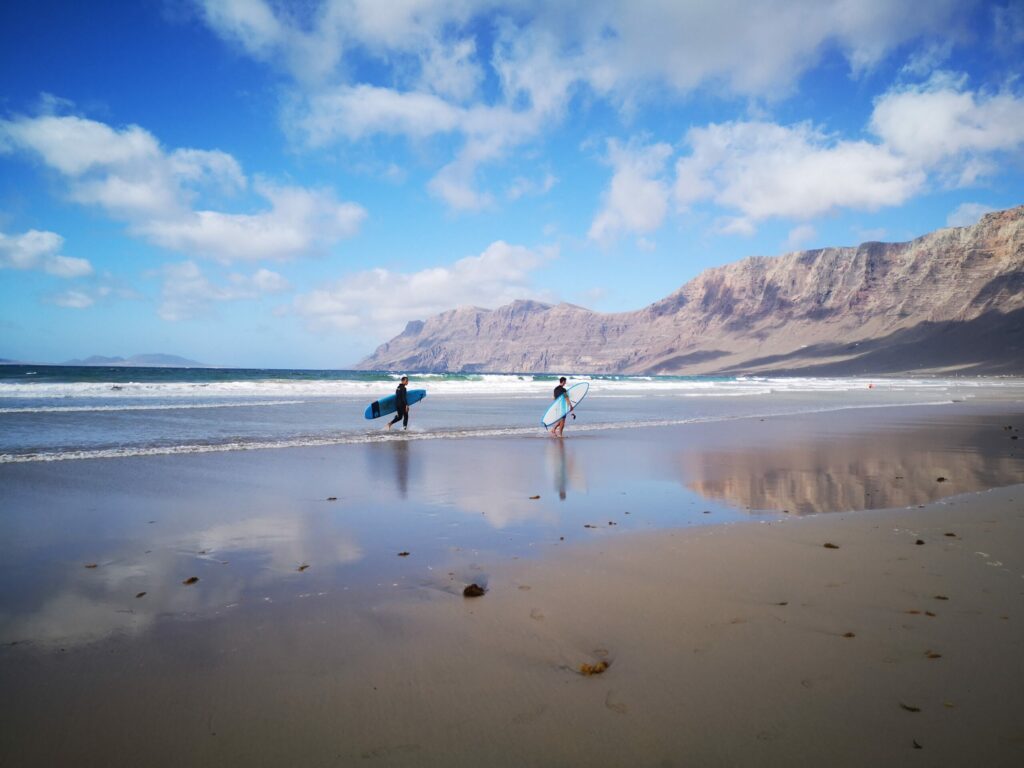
(562, 380)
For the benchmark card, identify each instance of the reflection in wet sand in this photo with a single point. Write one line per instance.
(243, 524)
(230, 560)
(400, 453)
(495, 487)
(806, 473)
(565, 472)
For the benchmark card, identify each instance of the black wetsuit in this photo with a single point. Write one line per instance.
(560, 392)
(401, 407)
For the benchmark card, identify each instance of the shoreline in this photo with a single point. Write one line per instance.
(378, 435)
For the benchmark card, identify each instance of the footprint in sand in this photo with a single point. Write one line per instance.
(615, 706)
(536, 615)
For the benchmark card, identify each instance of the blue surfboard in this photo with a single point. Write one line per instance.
(386, 405)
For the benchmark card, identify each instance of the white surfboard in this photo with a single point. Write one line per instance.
(559, 408)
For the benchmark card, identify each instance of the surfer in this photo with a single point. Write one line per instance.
(401, 405)
(560, 391)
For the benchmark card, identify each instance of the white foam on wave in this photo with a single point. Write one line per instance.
(383, 437)
(439, 385)
(164, 407)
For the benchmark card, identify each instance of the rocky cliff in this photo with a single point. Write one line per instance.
(950, 301)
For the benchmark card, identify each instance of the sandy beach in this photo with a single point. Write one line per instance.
(799, 590)
(489, 384)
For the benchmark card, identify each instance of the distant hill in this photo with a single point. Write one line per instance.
(949, 302)
(139, 361)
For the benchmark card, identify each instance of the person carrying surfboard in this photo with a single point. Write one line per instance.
(401, 405)
(560, 391)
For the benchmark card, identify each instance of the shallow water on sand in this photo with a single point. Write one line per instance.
(247, 523)
(304, 604)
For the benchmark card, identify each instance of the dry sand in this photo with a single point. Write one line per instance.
(742, 644)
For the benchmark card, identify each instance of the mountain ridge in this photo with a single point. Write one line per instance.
(949, 301)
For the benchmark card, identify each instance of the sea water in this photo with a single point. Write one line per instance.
(50, 413)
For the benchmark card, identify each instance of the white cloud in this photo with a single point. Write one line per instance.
(435, 55)
(455, 184)
(250, 23)
(298, 221)
(36, 249)
(451, 69)
(967, 214)
(942, 127)
(28, 250)
(74, 146)
(535, 93)
(357, 112)
(928, 59)
(937, 131)
(67, 266)
(89, 292)
(735, 225)
(73, 299)
(765, 170)
(637, 198)
(800, 235)
(523, 187)
(263, 281)
(130, 176)
(383, 301)
(188, 292)
(754, 48)
(681, 44)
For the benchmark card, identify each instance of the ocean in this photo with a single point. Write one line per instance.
(53, 413)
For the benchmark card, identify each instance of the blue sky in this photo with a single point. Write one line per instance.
(267, 184)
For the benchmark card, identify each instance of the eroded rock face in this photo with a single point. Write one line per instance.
(952, 300)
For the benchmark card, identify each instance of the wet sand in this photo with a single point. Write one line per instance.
(743, 642)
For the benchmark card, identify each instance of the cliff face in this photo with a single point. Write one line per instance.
(952, 300)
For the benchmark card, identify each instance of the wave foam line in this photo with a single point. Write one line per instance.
(384, 437)
(171, 407)
(497, 385)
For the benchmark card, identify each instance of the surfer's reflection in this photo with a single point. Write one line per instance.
(401, 455)
(564, 471)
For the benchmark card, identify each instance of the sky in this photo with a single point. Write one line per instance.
(286, 184)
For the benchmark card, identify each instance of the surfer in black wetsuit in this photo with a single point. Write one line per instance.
(401, 405)
(560, 391)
